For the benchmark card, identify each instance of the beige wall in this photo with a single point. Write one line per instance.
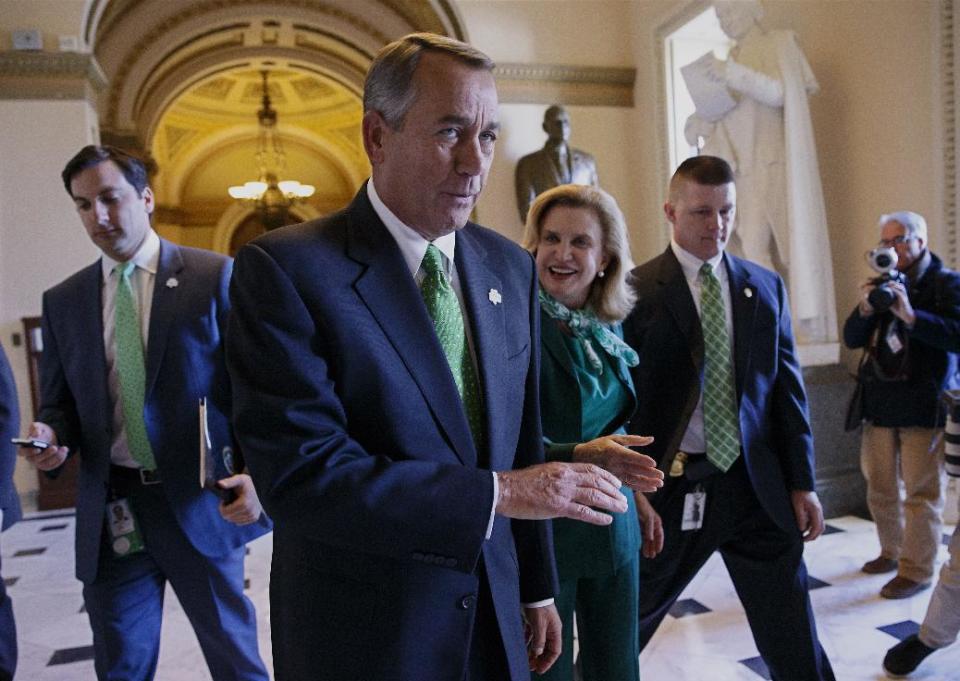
(41, 238)
(52, 17)
(555, 32)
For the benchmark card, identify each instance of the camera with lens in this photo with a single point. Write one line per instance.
(883, 260)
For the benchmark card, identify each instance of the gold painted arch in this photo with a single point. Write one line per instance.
(184, 88)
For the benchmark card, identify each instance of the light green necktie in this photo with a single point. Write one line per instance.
(444, 309)
(721, 425)
(131, 368)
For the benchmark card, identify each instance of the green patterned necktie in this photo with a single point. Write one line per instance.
(131, 368)
(721, 426)
(444, 309)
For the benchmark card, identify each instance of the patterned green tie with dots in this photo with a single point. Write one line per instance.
(444, 309)
(131, 369)
(721, 424)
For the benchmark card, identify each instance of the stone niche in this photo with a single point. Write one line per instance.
(840, 484)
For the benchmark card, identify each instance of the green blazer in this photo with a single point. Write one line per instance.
(582, 550)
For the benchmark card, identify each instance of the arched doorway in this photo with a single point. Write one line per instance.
(185, 87)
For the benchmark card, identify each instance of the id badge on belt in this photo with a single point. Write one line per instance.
(125, 535)
(694, 504)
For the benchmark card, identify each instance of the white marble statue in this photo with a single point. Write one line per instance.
(752, 110)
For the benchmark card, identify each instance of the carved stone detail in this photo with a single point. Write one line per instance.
(559, 83)
(949, 72)
(50, 75)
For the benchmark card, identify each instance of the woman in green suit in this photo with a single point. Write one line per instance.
(578, 237)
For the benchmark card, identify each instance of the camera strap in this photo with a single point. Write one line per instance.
(888, 359)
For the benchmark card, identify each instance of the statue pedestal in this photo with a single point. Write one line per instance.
(818, 354)
(840, 484)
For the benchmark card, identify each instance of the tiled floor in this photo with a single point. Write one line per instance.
(705, 638)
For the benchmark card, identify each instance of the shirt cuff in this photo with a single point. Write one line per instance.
(493, 509)
(538, 604)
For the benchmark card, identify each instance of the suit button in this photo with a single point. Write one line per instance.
(467, 602)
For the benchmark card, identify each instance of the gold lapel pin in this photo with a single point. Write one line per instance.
(494, 296)
(172, 282)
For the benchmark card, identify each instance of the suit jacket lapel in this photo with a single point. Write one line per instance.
(391, 294)
(88, 308)
(552, 340)
(744, 298)
(163, 308)
(487, 328)
(679, 302)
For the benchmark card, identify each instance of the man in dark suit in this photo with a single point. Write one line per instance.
(720, 390)
(9, 508)
(131, 344)
(385, 367)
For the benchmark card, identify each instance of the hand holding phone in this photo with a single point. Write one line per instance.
(30, 442)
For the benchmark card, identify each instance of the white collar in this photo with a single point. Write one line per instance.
(147, 257)
(691, 264)
(412, 245)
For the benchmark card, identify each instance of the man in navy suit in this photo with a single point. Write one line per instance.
(142, 517)
(405, 479)
(758, 505)
(9, 508)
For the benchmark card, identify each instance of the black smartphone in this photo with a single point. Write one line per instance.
(30, 442)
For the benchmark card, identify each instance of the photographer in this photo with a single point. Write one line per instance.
(909, 324)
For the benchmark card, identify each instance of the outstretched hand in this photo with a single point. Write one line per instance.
(560, 490)
(611, 452)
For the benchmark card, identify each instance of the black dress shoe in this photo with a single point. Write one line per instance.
(905, 657)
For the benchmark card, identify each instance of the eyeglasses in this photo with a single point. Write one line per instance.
(896, 241)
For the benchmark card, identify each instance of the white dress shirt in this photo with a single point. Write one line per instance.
(694, 440)
(142, 280)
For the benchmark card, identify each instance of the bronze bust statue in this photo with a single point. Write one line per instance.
(555, 164)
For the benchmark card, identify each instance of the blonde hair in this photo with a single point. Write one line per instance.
(611, 297)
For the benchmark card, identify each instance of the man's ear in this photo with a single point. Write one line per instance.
(670, 211)
(148, 200)
(374, 129)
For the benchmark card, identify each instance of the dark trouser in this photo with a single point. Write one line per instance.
(765, 564)
(607, 632)
(125, 601)
(8, 636)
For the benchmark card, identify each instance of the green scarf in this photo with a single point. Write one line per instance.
(586, 327)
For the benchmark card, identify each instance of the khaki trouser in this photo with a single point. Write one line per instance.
(942, 623)
(908, 526)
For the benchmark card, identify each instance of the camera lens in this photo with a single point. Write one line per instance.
(883, 261)
(881, 298)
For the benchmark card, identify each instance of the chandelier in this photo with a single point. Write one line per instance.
(272, 197)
